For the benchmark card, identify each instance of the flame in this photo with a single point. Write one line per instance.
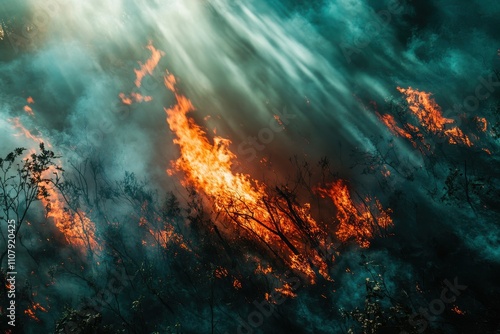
(166, 236)
(390, 122)
(77, 228)
(162, 235)
(263, 271)
(221, 272)
(134, 97)
(481, 123)
(28, 110)
(237, 284)
(125, 99)
(30, 311)
(26, 133)
(430, 116)
(487, 151)
(408, 131)
(147, 68)
(457, 310)
(150, 64)
(244, 201)
(286, 290)
(361, 222)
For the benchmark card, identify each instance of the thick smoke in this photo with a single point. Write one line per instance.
(329, 65)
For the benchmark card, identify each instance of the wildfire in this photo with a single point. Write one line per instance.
(30, 311)
(134, 97)
(360, 222)
(246, 202)
(77, 228)
(430, 116)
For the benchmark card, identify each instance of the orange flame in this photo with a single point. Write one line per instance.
(25, 132)
(149, 66)
(134, 97)
(166, 236)
(481, 123)
(358, 222)
(430, 116)
(244, 201)
(390, 122)
(77, 228)
(28, 110)
(30, 311)
(457, 310)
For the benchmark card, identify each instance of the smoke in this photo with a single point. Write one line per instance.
(325, 64)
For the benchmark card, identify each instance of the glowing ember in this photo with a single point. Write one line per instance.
(390, 122)
(457, 310)
(430, 116)
(77, 228)
(134, 97)
(361, 222)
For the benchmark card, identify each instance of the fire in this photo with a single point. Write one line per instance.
(244, 201)
(390, 122)
(263, 271)
(25, 132)
(147, 68)
(77, 228)
(28, 110)
(221, 272)
(430, 116)
(237, 284)
(481, 123)
(286, 290)
(166, 236)
(408, 131)
(150, 64)
(134, 97)
(30, 311)
(360, 222)
(457, 310)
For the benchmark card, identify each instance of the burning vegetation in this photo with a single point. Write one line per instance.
(232, 232)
